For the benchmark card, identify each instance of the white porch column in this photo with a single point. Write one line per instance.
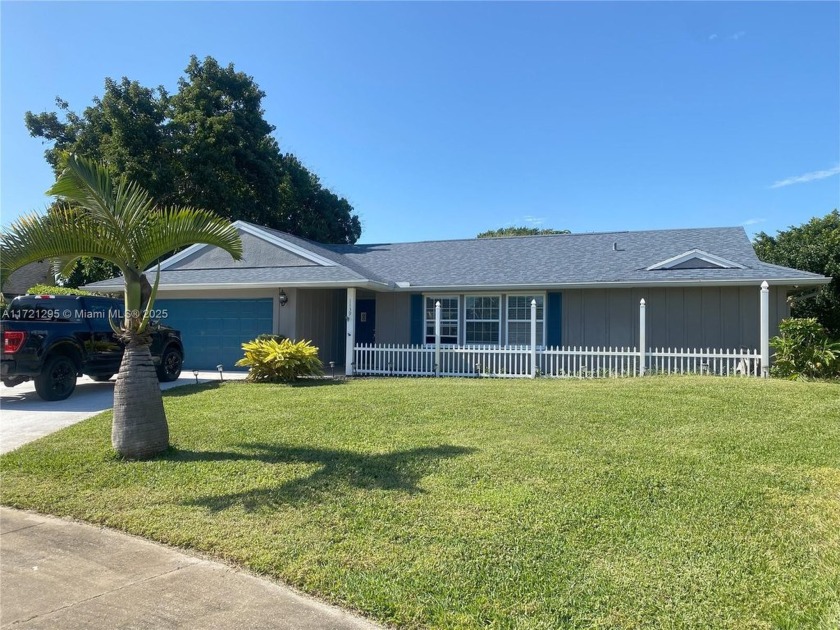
(437, 338)
(533, 338)
(765, 329)
(351, 331)
(642, 338)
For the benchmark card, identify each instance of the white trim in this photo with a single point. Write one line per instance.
(367, 284)
(498, 320)
(534, 293)
(548, 286)
(719, 261)
(184, 253)
(350, 328)
(253, 231)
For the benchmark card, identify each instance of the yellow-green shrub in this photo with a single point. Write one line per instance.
(273, 361)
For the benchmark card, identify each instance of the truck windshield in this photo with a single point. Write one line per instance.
(39, 311)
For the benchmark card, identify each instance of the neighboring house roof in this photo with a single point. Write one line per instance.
(28, 276)
(646, 258)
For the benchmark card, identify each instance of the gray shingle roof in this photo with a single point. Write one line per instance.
(28, 276)
(553, 260)
(610, 257)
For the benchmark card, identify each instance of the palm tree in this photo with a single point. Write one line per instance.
(116, 220)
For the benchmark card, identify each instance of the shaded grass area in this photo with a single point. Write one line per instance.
(659, 502)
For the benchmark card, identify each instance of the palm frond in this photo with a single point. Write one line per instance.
(112, 219)
(63, 235)
(148, 312)
(89, 185)
(172, 228)
(132, 205)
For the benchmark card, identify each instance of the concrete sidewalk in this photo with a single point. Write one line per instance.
(62, 574)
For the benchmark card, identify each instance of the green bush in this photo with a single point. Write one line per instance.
(45, 289)
(804, 349)
(279, 361)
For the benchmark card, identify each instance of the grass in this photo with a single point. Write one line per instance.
(660, 502)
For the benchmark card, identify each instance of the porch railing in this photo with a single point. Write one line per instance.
(523, 361)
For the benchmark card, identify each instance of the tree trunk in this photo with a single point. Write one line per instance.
(139, 430)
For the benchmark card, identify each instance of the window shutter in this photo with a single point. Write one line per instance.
(554, 322)
(416, 319)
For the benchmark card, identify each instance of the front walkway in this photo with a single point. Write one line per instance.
(63, 574)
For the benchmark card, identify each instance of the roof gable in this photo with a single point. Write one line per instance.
(260, 249)
(256, 252)
(696, 259)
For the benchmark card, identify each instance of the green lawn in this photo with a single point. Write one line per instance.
(661, 502)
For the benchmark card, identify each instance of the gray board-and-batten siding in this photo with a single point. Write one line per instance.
(691, 317)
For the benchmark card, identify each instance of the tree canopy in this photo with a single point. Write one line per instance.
(207, 146)
(813, 246)
(519, 231)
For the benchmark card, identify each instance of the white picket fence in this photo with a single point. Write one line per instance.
(577, 362)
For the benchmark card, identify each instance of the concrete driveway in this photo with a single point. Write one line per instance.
(25, 417)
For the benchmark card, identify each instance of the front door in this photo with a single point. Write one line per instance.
(366, 321)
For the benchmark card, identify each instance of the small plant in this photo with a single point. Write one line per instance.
(804, 349)
(273, 360)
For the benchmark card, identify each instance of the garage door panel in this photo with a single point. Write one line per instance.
(213, 331)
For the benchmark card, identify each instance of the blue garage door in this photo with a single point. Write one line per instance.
(213, 330)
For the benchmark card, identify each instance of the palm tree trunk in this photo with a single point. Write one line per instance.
(139, 429)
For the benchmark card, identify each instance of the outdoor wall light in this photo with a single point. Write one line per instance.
(221, 374)
(332, 367)
(284, 299)
(195, 373)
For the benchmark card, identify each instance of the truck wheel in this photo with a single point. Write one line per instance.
(100, 378)
(170, 365)
(58, 378)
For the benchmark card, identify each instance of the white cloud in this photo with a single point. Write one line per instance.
(534, 221)
(807, 177)
(713, 36)
(738, 35)
(752, 222)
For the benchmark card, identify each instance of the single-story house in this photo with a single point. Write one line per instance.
(701, 288)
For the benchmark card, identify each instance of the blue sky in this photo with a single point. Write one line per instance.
(440, 120)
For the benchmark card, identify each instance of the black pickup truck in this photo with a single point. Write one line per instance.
(54, 339)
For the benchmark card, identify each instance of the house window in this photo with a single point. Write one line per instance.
(448, 319)
(519, 319)
(482, 319)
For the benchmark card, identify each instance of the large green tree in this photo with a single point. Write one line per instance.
(519, 231)
(116, 220)
(128, 128)
(813, 246)
(224, 151)
(208, 145)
